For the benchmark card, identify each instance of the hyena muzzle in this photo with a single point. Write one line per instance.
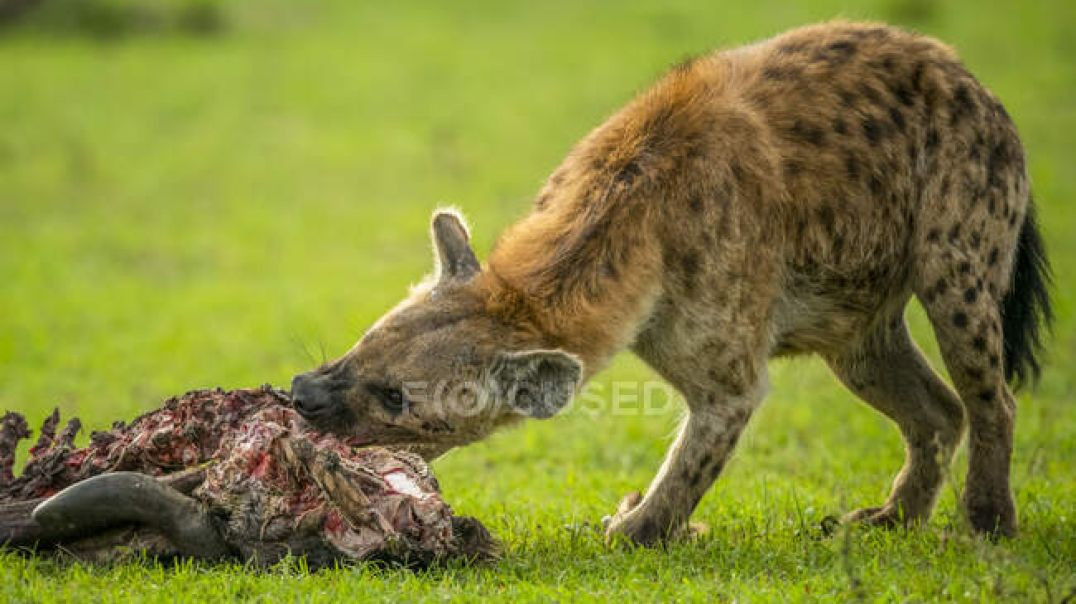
(788, 197)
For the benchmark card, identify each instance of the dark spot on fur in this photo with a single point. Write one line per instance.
(792, 48)
(960, 319)
(993, 258)
(851, 166)
(872, 129)
(738, 173)
(839, 126)
(934, 234)
(917, 76)
(897, 118)
(791, 166)
(843, 46)
(975, 153)
(964, 267)
(827, 217)
(720, 464)
(807, 133)
(628, 173)
(970, 295)
(836, 53)
(974, 373)
(695, 151)
(954, 233)
(932, 139)
(696, 204)
(689, 263)
(1000, 157)
(706, 460)
(871, 93)
(938, 289)
(847, 98)
(994, 360)
(961, 104)
(801, 229)
(903, 94)
(979, 343)
(986, 396)
(876, 184)
(609, 269)
(732, 385)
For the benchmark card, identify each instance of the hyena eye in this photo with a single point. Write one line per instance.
(392, 399)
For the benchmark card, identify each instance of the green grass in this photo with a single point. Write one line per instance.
(183, 211)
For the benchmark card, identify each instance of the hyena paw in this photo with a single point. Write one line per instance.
(992, 516)
(641, 526)
(627, 503)
(887, 516)
(630, 524)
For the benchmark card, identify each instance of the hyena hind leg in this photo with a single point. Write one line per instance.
(887, 371)
(967, 323)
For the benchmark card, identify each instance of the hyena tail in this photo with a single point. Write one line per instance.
(1025, 309)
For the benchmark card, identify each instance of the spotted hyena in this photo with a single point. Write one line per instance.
(783, 198)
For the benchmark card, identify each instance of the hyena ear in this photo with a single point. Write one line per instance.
(536, 383)
(455, 258)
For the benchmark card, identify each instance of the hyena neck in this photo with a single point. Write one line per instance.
(584, 267)
(593, 330)
(580, 277)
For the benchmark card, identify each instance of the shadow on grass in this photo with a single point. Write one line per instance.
(113, 19)
(748, 555)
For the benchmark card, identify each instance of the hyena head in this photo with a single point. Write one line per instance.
(440, 370)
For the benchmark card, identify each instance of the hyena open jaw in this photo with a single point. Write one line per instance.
(787, 197)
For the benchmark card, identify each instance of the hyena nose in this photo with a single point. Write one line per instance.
(310, 398)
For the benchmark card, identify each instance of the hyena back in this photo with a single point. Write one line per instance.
(782, 198)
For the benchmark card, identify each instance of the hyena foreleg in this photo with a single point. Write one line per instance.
(706, 439)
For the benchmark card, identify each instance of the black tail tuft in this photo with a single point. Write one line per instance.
(1025, 310)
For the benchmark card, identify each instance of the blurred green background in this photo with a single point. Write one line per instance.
(196, 194)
